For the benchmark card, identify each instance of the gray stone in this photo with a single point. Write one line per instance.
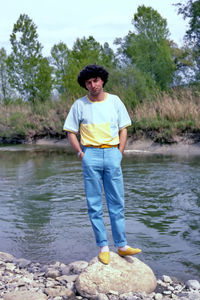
(23, 263)
(52, 273)
(10, 267)
(193, 284)
(60, 291)
(194, 296)
(127, 296)
(25, 295)
(167, 292)
(78, 266)
(65, 270)
(6, 257)
(166, 279)
(67, 278)
(158, 296)
(101, 297)
(121, 275)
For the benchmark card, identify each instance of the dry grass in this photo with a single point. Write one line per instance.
(27, 120)
(180, 107)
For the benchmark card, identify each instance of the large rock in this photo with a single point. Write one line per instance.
(121, 275)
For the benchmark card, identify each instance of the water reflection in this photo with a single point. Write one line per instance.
(43, 214)
(165, 193)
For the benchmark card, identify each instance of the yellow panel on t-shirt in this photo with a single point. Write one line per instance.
(97, 134)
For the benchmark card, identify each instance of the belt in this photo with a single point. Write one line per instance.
(101, 146)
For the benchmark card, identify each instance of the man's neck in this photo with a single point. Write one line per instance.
(100, 97)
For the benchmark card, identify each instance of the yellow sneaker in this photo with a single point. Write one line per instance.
(104, 257)
(129, 251)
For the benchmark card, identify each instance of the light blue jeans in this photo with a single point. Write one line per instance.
(102, 168)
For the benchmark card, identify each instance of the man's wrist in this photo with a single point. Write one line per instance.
(79, 153)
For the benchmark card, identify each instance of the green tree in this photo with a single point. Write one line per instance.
(60, 62)
(131, 85)
(68, 63)
(183, 60)
(191, 10)
(43, 81)
(5, 89)
(26, 61)
(148, 48)
(87, 51)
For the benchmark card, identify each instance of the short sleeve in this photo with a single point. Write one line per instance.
(72, 121)
(123, 116)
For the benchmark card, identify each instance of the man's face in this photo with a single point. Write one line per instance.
(94, 86)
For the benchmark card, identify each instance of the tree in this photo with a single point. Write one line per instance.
(148, 48)
(191, 10)
(60, 62)
(183, 60)
(5, 90)
(26, 61)
(68, 63)
(43, 80)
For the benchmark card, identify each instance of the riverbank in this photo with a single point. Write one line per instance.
(184, 145)
(22, 279)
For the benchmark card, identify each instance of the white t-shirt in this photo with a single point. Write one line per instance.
(99, 122)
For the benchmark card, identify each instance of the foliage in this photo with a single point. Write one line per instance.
(5, 90)
(68, 63)
(183, 61)
(147, 48)
(26, 73)
(60, 62)
(132, 86)
(191, 10)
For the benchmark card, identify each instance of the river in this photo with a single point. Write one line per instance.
(43, 213)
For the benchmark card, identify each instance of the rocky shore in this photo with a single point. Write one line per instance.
(21, 279)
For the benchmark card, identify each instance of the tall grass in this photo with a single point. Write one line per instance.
(32, 121)
(175, 113)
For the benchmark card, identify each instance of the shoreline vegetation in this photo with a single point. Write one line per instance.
(170, 120)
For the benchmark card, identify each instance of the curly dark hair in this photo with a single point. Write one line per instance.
(92, 71)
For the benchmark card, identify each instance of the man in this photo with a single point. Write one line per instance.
(101, 119)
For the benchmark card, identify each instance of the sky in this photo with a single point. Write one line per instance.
(66, 20)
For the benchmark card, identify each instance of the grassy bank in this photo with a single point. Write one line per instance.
(176, 113)
(170, 115)
(24, 122)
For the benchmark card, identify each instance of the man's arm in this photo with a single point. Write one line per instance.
(75, 143)
(122, 139)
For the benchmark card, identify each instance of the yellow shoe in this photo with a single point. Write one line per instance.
(104, 257)
(129, 251)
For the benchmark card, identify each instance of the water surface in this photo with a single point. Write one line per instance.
(43, 213)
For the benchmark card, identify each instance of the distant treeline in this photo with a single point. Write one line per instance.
(146, 60)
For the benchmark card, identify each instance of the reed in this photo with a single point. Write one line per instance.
(178, 110)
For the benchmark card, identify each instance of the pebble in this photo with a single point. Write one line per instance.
(23, 279)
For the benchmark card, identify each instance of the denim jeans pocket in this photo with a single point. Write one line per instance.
(120, 153)
(84, 149)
